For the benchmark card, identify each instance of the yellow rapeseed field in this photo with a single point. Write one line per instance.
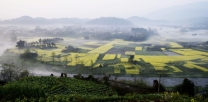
(124, 59)
(104, 48)
(163, 49)
(118, 55)
(131, 68)
(175, 45)
(190, 65)
(87, 60)
(138, 48)
(129, 53)
(109, 56)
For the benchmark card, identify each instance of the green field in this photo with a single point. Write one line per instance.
(113, 56)
(54, 89)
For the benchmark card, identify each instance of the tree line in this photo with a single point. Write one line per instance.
(43, 43)
(136, 34)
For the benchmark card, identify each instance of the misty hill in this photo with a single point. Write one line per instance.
(109, 21)
(186, 11)
(43, 21)
(144, 21)
(199, 22)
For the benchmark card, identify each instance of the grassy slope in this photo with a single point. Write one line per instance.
(37, 87)
(50, 89)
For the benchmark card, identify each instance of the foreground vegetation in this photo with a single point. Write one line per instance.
(50, 89)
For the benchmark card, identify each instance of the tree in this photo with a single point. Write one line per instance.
(206, 91)
(100, 67)
(131, 58)
(106, 79)
(20, 44)
(135, 62)
(186, 87)
(91, 65)
(157, 87)
(40, 41)
(36, 43)
(53, 44)
(76, 57)
(66, 60)
(10, 72)
(49, 45)
(139, 30)
(53, 56)
(24, 73)
(206, 42)
(28, 55)
(59, 57)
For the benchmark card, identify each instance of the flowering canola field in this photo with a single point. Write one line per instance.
(118, 59)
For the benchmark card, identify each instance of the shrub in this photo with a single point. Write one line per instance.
(187, 87)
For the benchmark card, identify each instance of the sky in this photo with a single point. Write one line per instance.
(10, 9)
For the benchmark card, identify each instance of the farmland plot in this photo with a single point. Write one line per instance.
(109, 57)
(115, 56)
(131, 69)
(138, 48)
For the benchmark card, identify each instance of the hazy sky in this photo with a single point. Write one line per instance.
(84, 8)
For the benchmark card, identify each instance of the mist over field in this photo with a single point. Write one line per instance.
(131, 46)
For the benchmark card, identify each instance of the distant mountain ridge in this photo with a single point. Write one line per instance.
(102, 21)
(199, 22)
(109, 21)
(186, 11)
(41, 21)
